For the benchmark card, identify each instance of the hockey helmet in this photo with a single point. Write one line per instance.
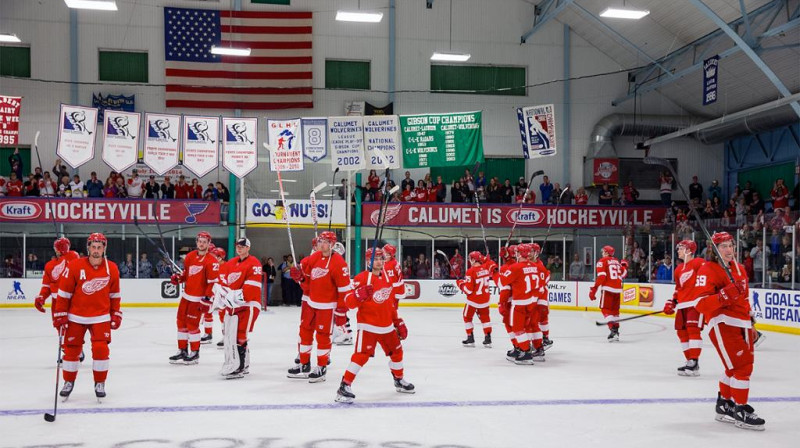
(96, 237)
(339, 248)
(609, 250)
(205, 235)
(524, 250)
(219, 253)
(390, 250)
(328, 236)
(378, 253)
(721, 237)
(689, 245)
(61, 245)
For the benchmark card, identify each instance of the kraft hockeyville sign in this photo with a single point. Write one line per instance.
(119, 211)
(457, 215)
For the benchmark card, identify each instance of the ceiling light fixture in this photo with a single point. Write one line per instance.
(230, 51)
(105, 5)
(11, 38)
(450, 56)
(617, 13)
(359, 16)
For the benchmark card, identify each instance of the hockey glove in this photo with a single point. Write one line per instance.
(669, 308)
(340, 316)
(364, 292)
(296, 274)
(60, 319)
(503, 308)
(116, 319)
(175, 279)
(593, 293)
(460, 284)
(401, 328)
(39, 303)
(729, 294)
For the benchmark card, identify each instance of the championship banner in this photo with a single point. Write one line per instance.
(112, 102)
(106, 211)
(162, 141)
(406, 214)
(354, 108)
(710, 67)
(200, 144)
(76, 130)
(121, 139)
(605, 171)
(284, 137)
(346, 138)
(537, 125)
(382, 137)
(269, 212)
(145, 172)
(315, 138)
(239, 145)
(441, 140)
(9, 119)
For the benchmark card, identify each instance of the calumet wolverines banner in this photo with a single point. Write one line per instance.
(441, 140)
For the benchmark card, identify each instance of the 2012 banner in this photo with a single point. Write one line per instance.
(441, 140)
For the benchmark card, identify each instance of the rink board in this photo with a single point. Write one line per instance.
(776, 310)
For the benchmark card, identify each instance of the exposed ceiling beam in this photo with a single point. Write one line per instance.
(544, 12)
(702, 7)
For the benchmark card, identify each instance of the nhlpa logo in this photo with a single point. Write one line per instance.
(233, 276)
(58, 269)
(318, 273)
(94, 285)
(118, 126)
(381, 295)
(391, 212)
(194, 269)
(198, 132)
(526, 217)
(159, 130)
(16, 292)
(286, 139)
(76, 122)
(194, 209)
(237, 132)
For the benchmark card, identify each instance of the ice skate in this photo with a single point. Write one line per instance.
(524, 358)
(403, 386)
(725, 409)
(299, 370)
(692, 368)
(512, 354)
(745, 417)
(192, 358)
(547, 343)
(221, 344)
(469, 342)
(345, 394)
(83, 356)
(487, 341)
(240, 371)
(613, 336)
(100, 391)
(346, 339)
(178, 358)
(760, 337)
(206, 339)
(318, 374)
(66, 390)
(538, 355)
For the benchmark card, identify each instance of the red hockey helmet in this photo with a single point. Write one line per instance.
(536, 248)
(205, 235)
(97, 237)
(509, 253)
(378, 253)
(721, 237)
(61, 245)
(609, 250)
(390, 250)
(475, 256)
(524, 250)
(219, 253)
(327, 236)
(690, 245)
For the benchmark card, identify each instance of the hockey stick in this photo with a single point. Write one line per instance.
(611, 321)
(160, 250)
(381, 219)
(313, 197)
(49, 204)
(480, 215)
(52, 417)
(333, 192)
(665, 163)
(527, 190)
(285, 208)
(551, 222)
(439, 252)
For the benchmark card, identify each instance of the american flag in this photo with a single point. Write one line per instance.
(276, 75)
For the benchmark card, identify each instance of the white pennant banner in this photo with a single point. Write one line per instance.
(77, 126)
(239, 149)
(121, 139)
(346, 138)
(200, 144)
(287, 147)
(382, 138)
(162, 141)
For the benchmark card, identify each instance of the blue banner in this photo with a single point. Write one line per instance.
(710, 67)
(112, 102)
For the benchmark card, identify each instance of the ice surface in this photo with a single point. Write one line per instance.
(587, 393)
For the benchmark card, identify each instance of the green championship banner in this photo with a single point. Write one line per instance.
(441, 140)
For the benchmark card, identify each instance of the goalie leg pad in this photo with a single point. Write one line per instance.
(231, 363)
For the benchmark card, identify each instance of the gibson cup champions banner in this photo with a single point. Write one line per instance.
(441, 140)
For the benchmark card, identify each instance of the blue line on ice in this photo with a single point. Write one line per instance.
(379, 405)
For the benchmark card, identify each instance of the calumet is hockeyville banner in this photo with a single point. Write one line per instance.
(441, 140)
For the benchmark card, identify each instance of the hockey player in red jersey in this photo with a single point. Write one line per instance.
(198, 277)
(88, 299)
(509, 256)
(608, 284)
(52, 273)
(243, 276)
(208, 316)
(542, 297)
(476, 286)
(394, 271)
(725, 307)
(328, 283)
(688, 322)
(378, 324)
(524, 277)
(220, 257)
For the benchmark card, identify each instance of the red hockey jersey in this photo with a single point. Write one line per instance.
(198, 276)
(609, 275)
(711, 277)
(544, 278)
(328, 280)
(505, 288)
(376, 315)
(395, 275)
(245, 275)
(685, 280)
(525, 279)
(87, 294)
(476, 286)
(52, 274)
